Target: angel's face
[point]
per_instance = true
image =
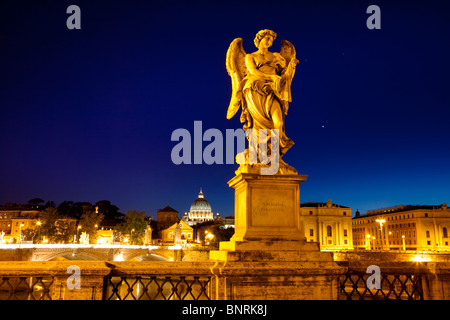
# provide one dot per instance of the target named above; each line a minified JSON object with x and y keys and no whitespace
{"x":266,"y":42}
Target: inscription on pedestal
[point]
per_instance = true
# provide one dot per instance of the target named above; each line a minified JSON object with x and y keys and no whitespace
{"x":270,"y":207}
{"x":273,"y":208}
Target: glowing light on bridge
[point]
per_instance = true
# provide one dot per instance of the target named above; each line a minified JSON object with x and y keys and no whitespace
{"x":421,"y":258}
{"x":83,"y":246}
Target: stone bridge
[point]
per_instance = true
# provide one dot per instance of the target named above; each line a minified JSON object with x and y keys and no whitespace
{"x":31,"y":252}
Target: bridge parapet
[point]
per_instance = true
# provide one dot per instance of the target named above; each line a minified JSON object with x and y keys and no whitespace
{"x":47,"y":252}
{"x":195,"y":280}
{"x":51,"y":280}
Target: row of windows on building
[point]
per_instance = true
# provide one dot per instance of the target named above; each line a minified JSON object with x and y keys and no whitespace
{"x":444,"y":233}
{"x":392,"y":226}
{"x":9,"y":224}
{"x":397,"y":242}
{"x":329,"y":232}
{"x":392,"y":218}
{"x":359,"y":234}
{"x":184,"y":236}
{"x":394,"y":234}
{"x":343,"y":213}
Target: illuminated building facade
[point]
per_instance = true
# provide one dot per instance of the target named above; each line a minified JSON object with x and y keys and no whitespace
{"x":408,"y":227}
{"x":177,"y":233}
{"x":328,"y":224}
{"x":16,"y":218}
{"x":200,"y":211}
{"x":18,"y":225}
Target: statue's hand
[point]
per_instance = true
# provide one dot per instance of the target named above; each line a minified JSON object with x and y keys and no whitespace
{"x":280,"y":61}
{"x":293,"y":63}
{"x":275,"y":78}
{"x":277,"y":81}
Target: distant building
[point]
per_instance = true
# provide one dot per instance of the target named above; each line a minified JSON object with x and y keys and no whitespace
{"x":106,"y":231}
{"x":18,"y":225}
{"x":179,"y":232}
{"x":105,"y":236}
{"x":166,"y":217}
{"x":199,"y":212}
{"x":227,"y":222}
{"x":409,"y":227}
{"x":16,"y":218}
{"x":328,"y":224}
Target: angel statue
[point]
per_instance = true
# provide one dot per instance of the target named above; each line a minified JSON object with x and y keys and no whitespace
{"x":84,"y":239}
{"x":261,"y":84}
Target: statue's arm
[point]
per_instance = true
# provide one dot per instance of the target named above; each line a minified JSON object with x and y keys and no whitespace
{"x":251,"y":68}
{"x":280,"y":60}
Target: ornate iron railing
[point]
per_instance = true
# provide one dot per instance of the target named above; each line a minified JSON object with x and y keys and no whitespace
{"x":393,"y":286}
{"x":156,"y":288}
{"x":25,"y":288}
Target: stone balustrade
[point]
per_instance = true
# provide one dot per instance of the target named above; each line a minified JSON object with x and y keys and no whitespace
{"x":196,"y":280}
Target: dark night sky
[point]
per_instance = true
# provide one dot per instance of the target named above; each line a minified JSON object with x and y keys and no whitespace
{"x":87,"y":115}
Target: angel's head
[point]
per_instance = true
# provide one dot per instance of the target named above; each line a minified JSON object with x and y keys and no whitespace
{"x":265,"y":34}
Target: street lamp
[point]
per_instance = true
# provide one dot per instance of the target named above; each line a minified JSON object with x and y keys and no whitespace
{"x":403,"y":243}
{"x":131,"y":237}
{"x":148,"y":235}
{"x":208,"y":236}
{"x":389,"y":240}
{"x":20,"y":232}
{"x":381,"y":221}
{"x":78,"y":231}
{"x":39,"y":229}
{"x":368,"y":241}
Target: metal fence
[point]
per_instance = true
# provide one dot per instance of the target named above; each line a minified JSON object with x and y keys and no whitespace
{"x":26,"y":288}
{"x":156,"y":288}
{"x":393,"y":286}
{"x":352,"y":286}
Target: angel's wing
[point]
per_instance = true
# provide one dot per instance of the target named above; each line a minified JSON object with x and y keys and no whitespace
{"x":289,"y":54}
{"x":237,"y":70}
{"x":287,"y":51}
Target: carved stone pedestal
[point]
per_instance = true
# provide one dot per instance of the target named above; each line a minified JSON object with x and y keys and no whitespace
{"x":268,"y":258}
{"x":267,"y":207}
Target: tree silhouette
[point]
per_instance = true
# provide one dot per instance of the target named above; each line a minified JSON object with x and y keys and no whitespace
{"x":55,"y":227}
{"x":35,"y":201}
{"x":89,"y":223}
{"x":109,"y":210}
{"x":135,"y":223}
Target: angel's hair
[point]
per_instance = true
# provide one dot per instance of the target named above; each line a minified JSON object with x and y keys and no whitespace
{"x":261,"y":34}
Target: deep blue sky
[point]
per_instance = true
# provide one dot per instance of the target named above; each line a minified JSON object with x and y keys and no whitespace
{"x":87,"y":115}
